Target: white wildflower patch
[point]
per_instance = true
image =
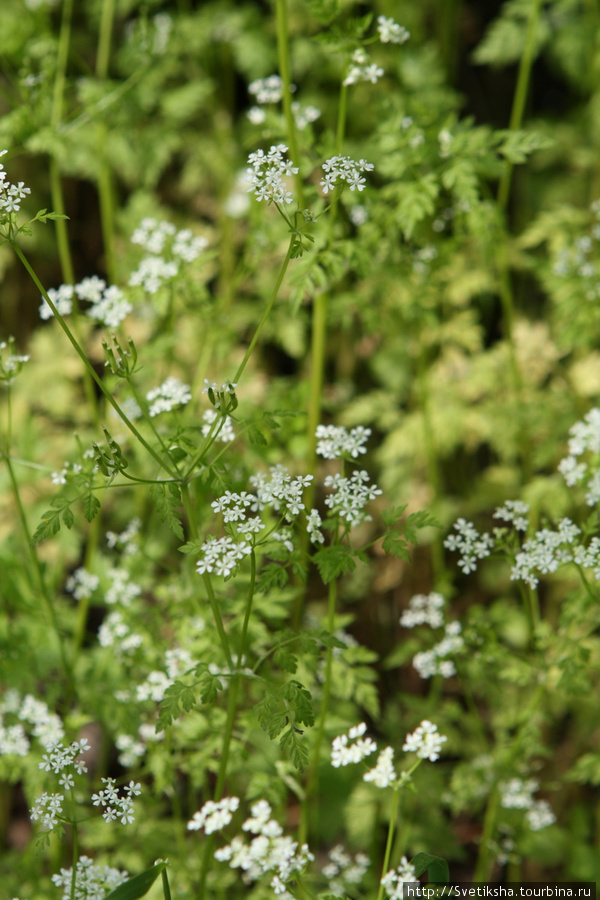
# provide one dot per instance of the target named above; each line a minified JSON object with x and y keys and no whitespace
{"x":362,"y":69}
{"x":93,"y":882}
{"x":11,"y":195}
{"x":394,"y":880}
{"x":115,"y":806}
{"x":214,"y":815}
{"x":266,"y":174}
{"x":344,"y":870}
{"x":390,"y":32}
{"x":384,"y":773}
{"x":266,"y":90}
{"x":343,"y":170}
{"x":517,"y":793}
{"x":425,"y":741}
{"x":335,"y":441}
{"x":225,"y":432}
{"x":351,"y":748}
{"x":470,"y":544}
{"x":424,"y":609}
{"x":170,"y":394}
{"x":349,"y":496}
{"x":435,"y":661}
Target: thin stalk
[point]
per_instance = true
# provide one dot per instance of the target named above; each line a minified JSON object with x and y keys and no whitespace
{"x":88,"y":366}
{"x":229,"y":724}
{"x":105,"y":186}
{"x":165,"y":884}
{"x":312,"y":780}
{"x":390,"y":840}
{"x":265,"y":314}
{"x":62,"y":237}
{"x":283,"y":52}
{"x":242,"y":652}
{"x":520,"y":97}
{"x":214,"y":605}
{"x":75,"y":859}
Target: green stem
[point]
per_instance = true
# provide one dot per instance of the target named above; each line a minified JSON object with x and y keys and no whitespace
{"x":265,"y":314}
{"x":242,"y":652}
{"x":520,"y":97}
{"x":75,"y":860}
{"x":313,"y":773}
{"x":88,"y":366}
{"x":165,"y":884}
{"x":283,"y":53}
{"x":390,"y":840}
{"x":234,"y":687}
{"x":56,"y":116}
{"x":214,"y":605}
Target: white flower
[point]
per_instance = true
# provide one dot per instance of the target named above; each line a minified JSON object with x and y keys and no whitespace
{"x":266,"y":173}
{"x":344,"y":753}
{"x":171,"y":393}
{"x":470,"y":543}
{"x":384,"y":774}
{"x":267,"y":90}
{"x":390,"y":32}
{"x":362,"y":70}
{"x":62,"y":298}
{"x":111,"y":308}
{"x":335,"y":441}
{"x":540,"y":815}
{"x":424,"y":609}
{"x":343,"y":169}
{"x":425,"y":741}
{"x":394,"y":880}
{"x":214,"y":815}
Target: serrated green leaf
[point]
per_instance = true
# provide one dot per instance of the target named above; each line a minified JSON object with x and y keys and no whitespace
{"x":334,"y":561}
{"x":272,"y":575}
{"x":49,"y":525}
{"x":68,"y":517}
{"x":294,"y":748}
{"x":91,"y":506}
{"x":166,"y":497}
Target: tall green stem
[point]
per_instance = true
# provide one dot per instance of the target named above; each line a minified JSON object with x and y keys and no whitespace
{"x":62,"y":237}
{"x":105,"y":186}
{"x":521,"y":91}
{"x":265,"y":314}
{"x":313,"y":772}
{"x":390,"y":840}
{"x":283,"y":53}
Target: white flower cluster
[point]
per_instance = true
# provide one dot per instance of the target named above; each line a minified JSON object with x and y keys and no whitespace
{"x":10,"y":194}
{"x":390,"y":32}
{"x":334,"y":441}
{"x":394,"y":880}
{"x":514,"y":511}
{"x":304,"y":115}
{"x":384,"y":773}
{"x":547,"y":550}
{"x":470,"y":543}
{"x":345,"y":753}
{"x":121,"y":590}
{"x":350,"y":496}
{"x":11,"y":363}
{"x":177,"y":662}
{"x":343,"y":870}
{"x":579,"y":260}
{"x":267,"y":90}
{"x":585,"y":437}
{"x":214,"y":815}
{"x":269,"y":851}
{"x":45,"y":726}
{"x":46,"y":810}
{"x":266,"y":172}
{"x":221,"y":556}
{"x":424,"y":609}
{"x":158,"y":237}
{"x":518,"y":794}
{"x":109,"y":304}
{"x":346,"y":170}
{"x":425,"y":741}
{"x":60,"y":757}
{"x":280,"y":492}
{"x":82,"y":584}
{"x":171,"y":393}
{"x":115,"y":632}
{"x":92,"y":882}
{"x":435,"y":662}
{"x":125,"y":541}
{"x":361,"y":69}
{"x":115,"y":806}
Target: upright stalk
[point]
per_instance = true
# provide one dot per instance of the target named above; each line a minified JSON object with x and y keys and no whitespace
{"x":283,"y":53}
{"x":105,"y":184}
{"x":62,"y":237}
